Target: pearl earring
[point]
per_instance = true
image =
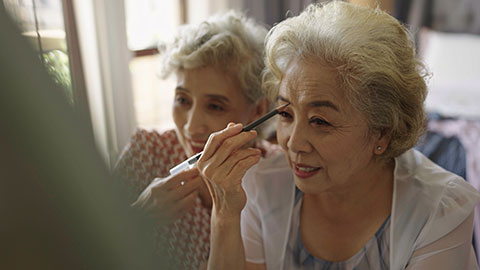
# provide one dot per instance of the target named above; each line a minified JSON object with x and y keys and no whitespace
{"x":379,"y":148}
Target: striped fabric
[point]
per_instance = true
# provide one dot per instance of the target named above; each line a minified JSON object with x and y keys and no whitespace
{"x":373,"y":256}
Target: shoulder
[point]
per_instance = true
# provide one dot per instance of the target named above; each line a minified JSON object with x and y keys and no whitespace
{"x":151,"y":149}
{"x":436,"y":183}
{"x":440,"y":199}
{"x":145,"y":136}
{"x":145,"y":140}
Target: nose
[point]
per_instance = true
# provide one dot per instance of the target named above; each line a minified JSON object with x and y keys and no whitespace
{"x":196,"y":123}
{"x":297,"y":140}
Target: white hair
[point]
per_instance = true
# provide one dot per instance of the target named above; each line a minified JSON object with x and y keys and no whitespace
{"x":230,"y":41}
{"x":375,"y":60}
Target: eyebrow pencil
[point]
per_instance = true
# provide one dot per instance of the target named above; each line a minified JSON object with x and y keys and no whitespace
{"x":192,"y":160}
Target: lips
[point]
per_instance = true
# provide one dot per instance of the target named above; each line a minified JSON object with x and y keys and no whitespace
{"x":196,"y":146}
{"x":305,"y":171}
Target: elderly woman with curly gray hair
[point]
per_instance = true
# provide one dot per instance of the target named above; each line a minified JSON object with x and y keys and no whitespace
{"x":218,"y":65}
{"x":349,"y":191}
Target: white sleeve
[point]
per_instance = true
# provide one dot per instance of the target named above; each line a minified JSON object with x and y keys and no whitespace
{"x":453,"y":251}
{"x":251,"y":229}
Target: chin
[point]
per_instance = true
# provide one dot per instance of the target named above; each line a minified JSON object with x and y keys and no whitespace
{"x":300,"y":183}
{"x":309,"y":186}
{"x":184,"y":144}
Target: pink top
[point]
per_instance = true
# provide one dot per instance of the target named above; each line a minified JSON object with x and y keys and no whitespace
{"x":149,"y":155}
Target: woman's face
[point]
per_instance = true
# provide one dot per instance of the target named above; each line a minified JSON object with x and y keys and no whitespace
{"x":325,"y":139}
{"x":206,"y":100}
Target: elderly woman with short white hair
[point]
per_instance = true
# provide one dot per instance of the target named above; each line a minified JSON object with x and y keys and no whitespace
{"x":349,"y":192}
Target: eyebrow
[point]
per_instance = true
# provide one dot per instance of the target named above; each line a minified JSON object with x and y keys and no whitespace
{"x":219,"y":97}
{"x":314,"y":104}
{"x":212,"y":96}
{"x":181,"y":88}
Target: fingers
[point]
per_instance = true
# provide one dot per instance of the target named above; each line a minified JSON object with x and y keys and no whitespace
{"x":169,"y":189}
{"x":224,"y":149}
{"x":172,"y":212}
{"x":243,"y":165}
{"x":241,"y":161}
{"x":165,"y":196}
{"x":168,"y":200}
{"x":185,"y":175}
{"x":216,"y":139}
{"x":223,"y":172}
{"x":159,"y":185}
{"x":184,"y":190}
{"x":231,"y":145}
{"x":184,"y":205}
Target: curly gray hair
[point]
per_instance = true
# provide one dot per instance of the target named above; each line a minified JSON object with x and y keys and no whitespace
{"x":375,"y":59}
{"x":230,"y":41}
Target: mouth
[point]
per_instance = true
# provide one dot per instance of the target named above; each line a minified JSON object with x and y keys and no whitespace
{"x":305,"y":171}
{"x":196,"y":146}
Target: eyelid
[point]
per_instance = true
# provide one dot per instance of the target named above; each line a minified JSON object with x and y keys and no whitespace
{"x":315,"y":118}
{"x":217,"y":101}
{"x":179,"y":94}
{"x":221,"y":107}
{"x":284,"y":114}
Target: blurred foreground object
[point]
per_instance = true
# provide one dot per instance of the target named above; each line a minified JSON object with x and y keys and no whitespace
{"x":59,"y":207}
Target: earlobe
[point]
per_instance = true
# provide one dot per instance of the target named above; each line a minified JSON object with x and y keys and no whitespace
{"x":382,"y":143}
{"x":379,"y":150}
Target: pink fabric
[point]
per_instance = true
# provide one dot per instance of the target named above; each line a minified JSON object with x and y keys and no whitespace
{"x":151,"y":154}
{"x":468,"y":132}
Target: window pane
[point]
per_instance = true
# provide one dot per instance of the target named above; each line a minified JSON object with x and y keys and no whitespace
{"x":150,"y":21}
{"x":153,"y":97}
{"x":41,"y":21}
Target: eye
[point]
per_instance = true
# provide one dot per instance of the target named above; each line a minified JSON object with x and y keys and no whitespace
{"x":215,"y":107}
{"x":319,"y":122}
{"x":181,"y":100}
{"x":285,"y":114}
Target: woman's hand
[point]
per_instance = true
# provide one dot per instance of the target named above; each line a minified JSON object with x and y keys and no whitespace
{"x":167,"y":199}
{"x":223,"y":165}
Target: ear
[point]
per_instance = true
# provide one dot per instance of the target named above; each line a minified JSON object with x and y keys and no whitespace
{"x":382,"y":142}
{"x":261,"y":108}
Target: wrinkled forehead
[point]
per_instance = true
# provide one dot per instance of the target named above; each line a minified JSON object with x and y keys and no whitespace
{"x":307,"y":81}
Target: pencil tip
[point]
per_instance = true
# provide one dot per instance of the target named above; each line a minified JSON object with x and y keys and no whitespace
{"x":283,"y":106}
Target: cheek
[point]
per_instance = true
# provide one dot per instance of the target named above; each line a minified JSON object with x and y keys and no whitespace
{"x":213,"y":123}
{"x":343,"y":159}
{"x":220,"y":122}
{"x":216,"y":124}
{"x":282,"y":135}
{"x":179,"y":117}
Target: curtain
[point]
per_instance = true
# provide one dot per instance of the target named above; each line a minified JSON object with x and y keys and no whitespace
{"x":461,"y":16}
{"x":274,"y":11}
